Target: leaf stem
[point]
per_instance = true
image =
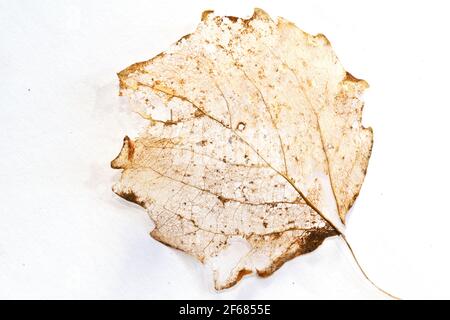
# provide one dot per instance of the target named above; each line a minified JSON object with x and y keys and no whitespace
{"x":343,"y":237}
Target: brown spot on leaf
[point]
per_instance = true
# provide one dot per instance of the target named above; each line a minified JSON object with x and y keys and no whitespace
{"x":130,"y":148}
{"x":300,"y":246}
{"x":198,"y":113}
{"x":240,"y":126}
{"x":222,"y":199}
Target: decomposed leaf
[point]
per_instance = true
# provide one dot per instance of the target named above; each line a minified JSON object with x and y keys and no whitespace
{"x":254,"y":137}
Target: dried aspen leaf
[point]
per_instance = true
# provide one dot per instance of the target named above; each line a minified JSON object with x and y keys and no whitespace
{"x":254,"y":134}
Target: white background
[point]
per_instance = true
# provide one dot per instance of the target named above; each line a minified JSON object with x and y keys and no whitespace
{"x":64,"y":234}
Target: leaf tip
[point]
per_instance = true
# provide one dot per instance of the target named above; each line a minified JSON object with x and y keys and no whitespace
{"x":349,"y":77}
{"x":259,"y":13}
